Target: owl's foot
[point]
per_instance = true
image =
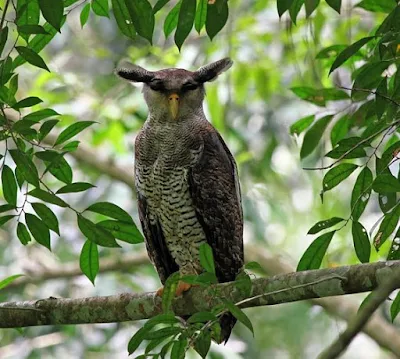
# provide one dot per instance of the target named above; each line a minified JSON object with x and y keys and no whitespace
{"x":182,"y":287}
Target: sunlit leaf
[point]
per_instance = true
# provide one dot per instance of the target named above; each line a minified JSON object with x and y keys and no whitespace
{"x":89,"y":260}
{"x":201,"y":15}
{"x":165,"y":318}
{"x":169,"y":291}
{"x":7,"y":281}
{"x":301,"y":125}
{"x":312,"y":257}
{"x":159,"y":5}
{"x":100,"y":7}
{"x":171,"y":21}
{"x":361,"y":242}
{"x":254,"y":266}
{"x":84,"y":16}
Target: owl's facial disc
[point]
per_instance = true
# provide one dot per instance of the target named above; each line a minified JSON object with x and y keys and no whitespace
{"x":173,"y":103}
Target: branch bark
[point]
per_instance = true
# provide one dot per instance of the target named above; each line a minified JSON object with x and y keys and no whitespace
{"x":282,"y":288}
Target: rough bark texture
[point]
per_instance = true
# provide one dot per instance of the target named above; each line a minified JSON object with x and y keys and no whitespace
{"x":123,"y":307}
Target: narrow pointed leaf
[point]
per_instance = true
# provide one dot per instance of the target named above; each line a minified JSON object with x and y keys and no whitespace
{"x":201,"y":15}
{"x":207,"y":258}
{"x":318,"y":227}
{"x":100,"y":7}
{"x":39,"y":230}
{"x":96,"y":233}
{"x":31,"y":56}
{"x":26,"y":166}
{"x":52,"y":11}
{"x":361,"y":193}
{"x":395,"y":307}
{"x":47,"y":197}
{"x":123,"y":18}
{"x":186,"y":17}
{"x":386,"y":183}
{"x":5,"y":282}
{"x":9,"y":185}
{"x":337,"y":174}
{"x":239,"y":315}
{"x":84,"y":16}
{"x":169,"y":291}
{"x":47,"y":215}
{"x":23,"y":234}
{"x":335,"y":5}
{"x":75,"y":187}
{"x":171,"y":21}
{"x":110,"y":210}
{"x":301,"y":125}
{"x":387,"y":227}
{"x":313,"y":136}
{"x":89,"y":260}
{"x":216,"y":19}
{"x":123,"y":231}
{"x":361,"y":242}
{"x":72,"y":131}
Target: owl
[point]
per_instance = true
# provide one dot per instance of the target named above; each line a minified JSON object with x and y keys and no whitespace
{"x":186,"y":178}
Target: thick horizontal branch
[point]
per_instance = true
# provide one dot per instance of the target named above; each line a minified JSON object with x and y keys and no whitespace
{"x":266,"y":291}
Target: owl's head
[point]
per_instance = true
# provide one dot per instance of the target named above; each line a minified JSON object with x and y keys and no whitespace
{"x":174,"y":93}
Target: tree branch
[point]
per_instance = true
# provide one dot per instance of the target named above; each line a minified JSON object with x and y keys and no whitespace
{"x":265,"y":291}
{"x":390,"y":283}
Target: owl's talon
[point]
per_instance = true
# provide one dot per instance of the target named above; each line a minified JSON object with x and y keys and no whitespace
{"x":182,"y":287}
{"x":160,"y":292}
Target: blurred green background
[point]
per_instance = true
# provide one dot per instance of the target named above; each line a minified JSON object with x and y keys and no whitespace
{"x":252,"y":107}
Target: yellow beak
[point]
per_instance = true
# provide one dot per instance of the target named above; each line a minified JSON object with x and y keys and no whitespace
{"x":174,"y":105}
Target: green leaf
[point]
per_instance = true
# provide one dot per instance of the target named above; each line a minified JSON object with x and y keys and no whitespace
{"x":388,"y":155}
{"x":168,"y":318}
{"x":340,"y":130}
{"x":330,"y":51}
{"x":31,"y":29}
{"x":386,"y":183}
{"x":123,"y":18}
{"x":162,"y":333}
{"x":100,"y":7}
{"x":319,"y":96}
{"x":52,"y":11}
{"x":123,"y":231}
{"x":368,"y":78}
{"x":361,"y":193}
{"x":179,"y":349}
{"x":137,"y":339}
{"x":110,"y":210}
{"x":312,"y":257}
{"x":395,"y":307}
{"x":9,"y":185}
{"x":313,"y":136}
{"x":387,"y":201}
{"x":186,"y":17}
{"x":349,"y":51}
{"x":301,"y":125}
{"x":5,"y":219}
{"x":361,"y":242}
{"x":377,"y":6}
{"x":47,"y":197}
{"x":7,"y":281}
{"x":31,"y":56}
{"x":335,"y":5}
{"x":201,"y":317}
{"x":311,"y":5}
{"x":388,"y":225}
{"x":40,"y":115}
{"x":27,"y":102}
{"x":336,"y":175}
{"x":22,"y":126}
{"x":38,"y":229}
{"x":47,"y":215}
{"x":243,"y":283}
{"x":217,"y":16}
{"x":283,"y":6}
{"x":60,"y":169}
{"x":72,"y":131}
{"x":75,"y":187}
{"x":28,"y":13}
{"x":71,"y":146}
{"x":26,"y":166}
{"x":46,"y":128}
{"x":165,"y":349}
{"x":96,"y":233}
{"x":38,"y":42}
{"x":6,"y":208}
{"x":295,"y":9}
{"x":238,"y":314}
{"x":20,"y":177}
{"x":169,"y":291}
{"x":201,"y":15}
{"x":89,"y":260}
{"x":23,"y":234}
{"x":3,"y":38}
{"x":380,"y":98}
{"x":142,"y":17}
{"x":84,"y":16}
{"x":348,"y":148}
{"x":171,"y":21}
{"x":254,"y":266}
{"x":207,"y":258}
{"x":203,"y":343}
{"x":319,"y":226}
{"x":159,"y":5}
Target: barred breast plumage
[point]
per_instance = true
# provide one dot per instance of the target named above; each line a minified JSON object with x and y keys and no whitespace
{"x":165,"y":186}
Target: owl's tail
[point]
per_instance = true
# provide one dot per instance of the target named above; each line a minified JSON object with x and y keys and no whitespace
{"x":227,"y":322}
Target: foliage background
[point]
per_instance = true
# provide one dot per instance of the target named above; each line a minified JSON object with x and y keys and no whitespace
{"x":252,"y":106}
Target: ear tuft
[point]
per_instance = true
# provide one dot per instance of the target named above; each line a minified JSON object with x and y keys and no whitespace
{"x":211,"y":71}
{"x":134,"y":73}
